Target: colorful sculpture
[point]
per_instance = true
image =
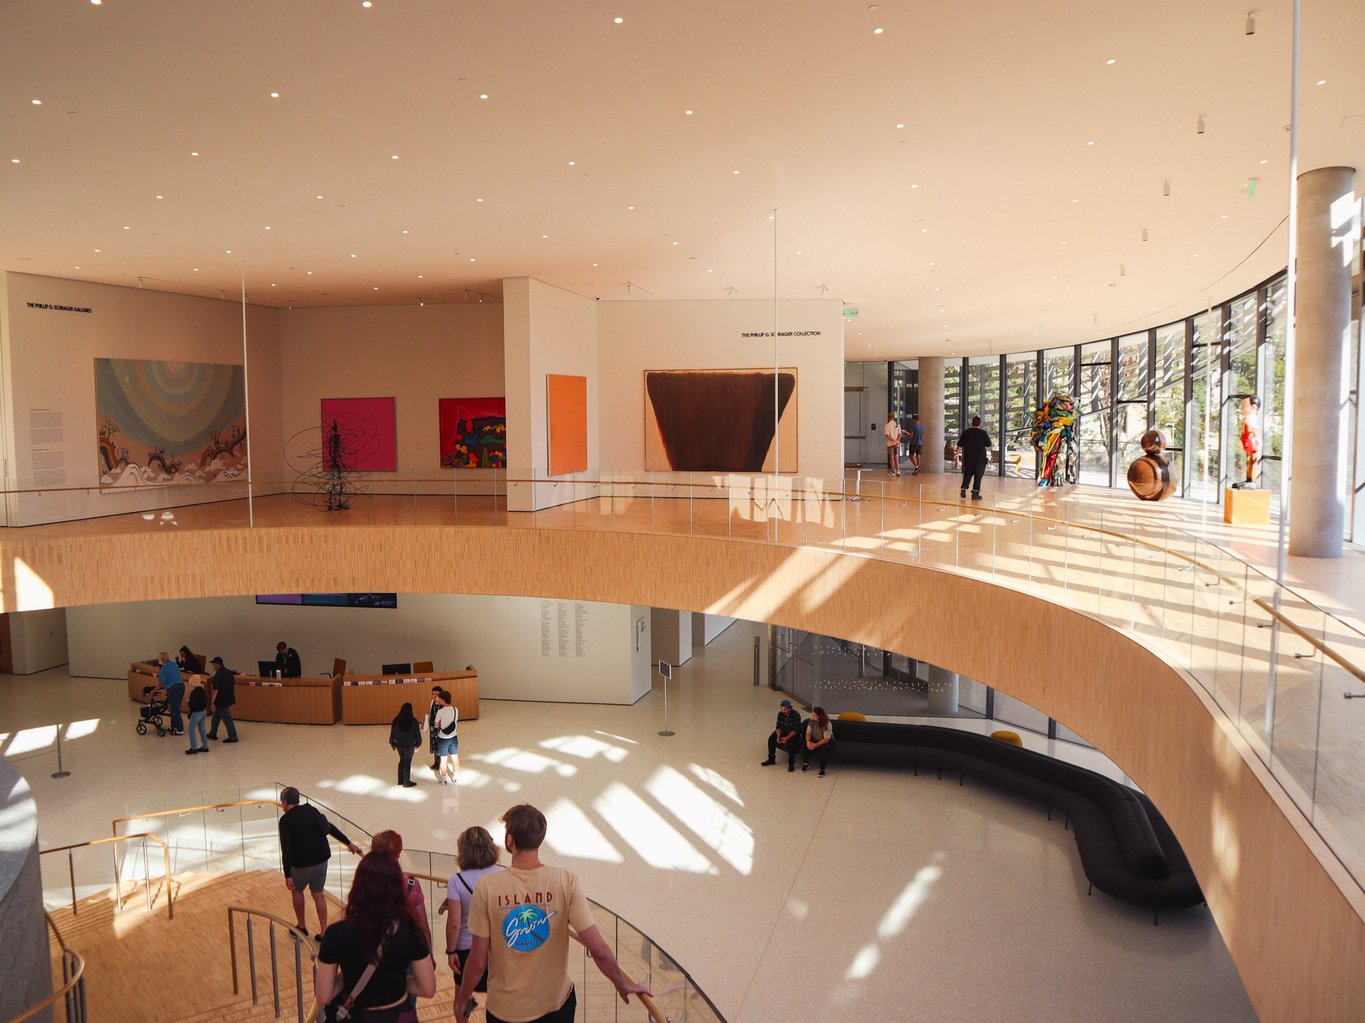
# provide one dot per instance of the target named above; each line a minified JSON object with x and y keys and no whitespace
{"x":1250,"y":411}
{"x":1054,"y":436}
{"x":1149,"y":477}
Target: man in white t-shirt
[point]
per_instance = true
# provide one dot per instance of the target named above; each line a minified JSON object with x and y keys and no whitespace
{"x":521,"y":919}
{"x":893,"y":444}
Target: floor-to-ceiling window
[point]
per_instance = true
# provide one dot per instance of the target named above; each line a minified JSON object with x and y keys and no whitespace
{"x":1168,"y":385}
{"x":952,"y":400}
{"x":983,"y":392}
{"x":1059,"y":372}
{"x":1021,"y":398}
{"x":1132,"y":399}
{"x":1096,"y":402}
{"x":1270,"y":362}
{"x":1203,"y":426}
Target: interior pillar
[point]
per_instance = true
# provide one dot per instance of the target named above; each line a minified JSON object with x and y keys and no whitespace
{"x":931,"y":413}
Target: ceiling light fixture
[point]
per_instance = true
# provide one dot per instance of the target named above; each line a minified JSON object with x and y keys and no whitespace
{"x":1321,"y":81}
{"x":317,"y":197}
{"x":228,"y":251}
{"x":1144,"y":234}
{"x":483,"y":95}
{"x":1165,"y":188}
{"x":161,"y":197}
{"x":735,"y":172}
{"x":478,"y":200}
{"x":267,"y":227}
{"x":274,"y":95}
{"x":394,"y":156}
{"x":878,"y":31}
{"x":688,"y":113}
{"x":366,"y":3}
{"x":38,"y":102}
{"x":194,"y":152}
{"x":14,"y":159}
{"x":1251,"y":23}
{"x":1111,"y":60}
{"x":353,"y":255}
{"x":1089,"y":142}
{"x":309,"y":273}
{"x":1199,"y":124}
{"x":617,"y":21}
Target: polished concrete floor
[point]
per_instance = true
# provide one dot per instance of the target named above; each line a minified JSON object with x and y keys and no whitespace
{"x":870,"y":894}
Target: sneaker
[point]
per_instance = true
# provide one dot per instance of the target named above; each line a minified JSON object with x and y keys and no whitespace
{"x":766,"y":763}
{"x":204,"y":750}
{"x":791,"y":767}
{"x":176,"y":731}
{"x":409,"y":784}
{"x":226,"y":741}
{"x":976,"y":497}
{"x":213,"y":737}
{"x":822,"y":774}
{"x":805,"y":768}
{"x":316,"y":937}
{"x":191,"y":752}
{"x":962,"y":493}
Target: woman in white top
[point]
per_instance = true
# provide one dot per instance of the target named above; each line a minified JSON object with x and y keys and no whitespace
{"x":893,"y":444}
{"x":476,"y":855}
{"x":447,"y":744}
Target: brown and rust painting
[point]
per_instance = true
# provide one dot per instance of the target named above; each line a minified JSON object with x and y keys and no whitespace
{"x":720,"y":420}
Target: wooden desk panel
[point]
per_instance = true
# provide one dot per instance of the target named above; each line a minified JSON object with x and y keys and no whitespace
{"x":375,"y":699}
{"x":295,"y":701}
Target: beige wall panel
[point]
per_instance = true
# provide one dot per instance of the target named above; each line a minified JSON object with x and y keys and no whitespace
{"x":1290,"y":916}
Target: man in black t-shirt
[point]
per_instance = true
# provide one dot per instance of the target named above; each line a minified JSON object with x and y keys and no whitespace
{"x":224,"y":684}
{"x":304,"y":853}
{"x":974,"y":443}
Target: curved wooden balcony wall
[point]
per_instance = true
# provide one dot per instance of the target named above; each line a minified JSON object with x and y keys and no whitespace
{"x":1292,"y":918}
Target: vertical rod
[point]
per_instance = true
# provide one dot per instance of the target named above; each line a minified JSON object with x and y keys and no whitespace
{"x":71,"y":870}
{"x":147,"y":875}
{"x":251,"y":958}
{"x":1290,"y":347}
{"x":246,"y":398}
{"x":274,"y":971}
{"x":298,"y":977}
{"x":777,"y":436}
{"x":232,"y":950}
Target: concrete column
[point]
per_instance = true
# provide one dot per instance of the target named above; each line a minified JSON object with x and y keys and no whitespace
{"x":1322,"y":321}
{"x":943,"y":688}
{"x":931,"y":413}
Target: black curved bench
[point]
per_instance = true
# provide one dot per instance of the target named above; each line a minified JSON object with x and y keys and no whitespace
{"x":1126,"y":847}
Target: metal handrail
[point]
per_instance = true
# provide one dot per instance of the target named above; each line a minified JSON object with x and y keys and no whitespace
{"x":654,"y":1014}
{"x":299,"y":938}
{"x":72,"y":990}
{"x":118,"y":881}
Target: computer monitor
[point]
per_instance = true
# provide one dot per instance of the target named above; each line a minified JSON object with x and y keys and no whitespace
{"x":396,"y":669}
{"x":266,"y":669}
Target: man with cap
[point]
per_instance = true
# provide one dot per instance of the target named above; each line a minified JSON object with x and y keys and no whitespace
{"x":784,"y":735}
{"x":224,"y":683}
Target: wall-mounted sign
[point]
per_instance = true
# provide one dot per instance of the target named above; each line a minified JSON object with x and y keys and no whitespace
{"x":850,"y":312}
{"x":59,"y":308}
{"x":781,"y":333}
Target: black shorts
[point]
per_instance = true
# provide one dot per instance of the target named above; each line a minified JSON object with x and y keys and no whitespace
{"x":915,"y":449}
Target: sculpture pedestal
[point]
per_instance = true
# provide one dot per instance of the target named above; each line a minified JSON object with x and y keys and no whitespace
{"x":1246,"y":507}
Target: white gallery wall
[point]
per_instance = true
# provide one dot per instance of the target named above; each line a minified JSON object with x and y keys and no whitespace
{"x":635,"y":336}
{"x":546,"y":330}
{"x":416,"y":354}
{"x":37,"y":639}
{"x":524,"y":648}
{"x":48,"y":369}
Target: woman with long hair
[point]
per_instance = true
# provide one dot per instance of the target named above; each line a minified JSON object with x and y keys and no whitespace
{"x":377,"y":928}
{"x":447,"y":743}
{"x":390,"y":843}
{"x":819,"y":739}
{"x":477,"y":855}
{"x":405,"y":735}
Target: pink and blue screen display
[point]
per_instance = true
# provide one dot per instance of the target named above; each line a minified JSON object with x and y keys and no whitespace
{"x":388,"y":600}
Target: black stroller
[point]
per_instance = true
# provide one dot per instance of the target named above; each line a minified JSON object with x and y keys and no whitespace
{"x":151,"y":714}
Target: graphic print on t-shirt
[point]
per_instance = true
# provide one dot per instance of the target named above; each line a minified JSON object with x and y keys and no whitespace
{"x":527,"y":928}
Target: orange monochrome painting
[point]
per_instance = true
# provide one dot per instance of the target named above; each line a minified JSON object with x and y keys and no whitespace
{"x":567,"y":401}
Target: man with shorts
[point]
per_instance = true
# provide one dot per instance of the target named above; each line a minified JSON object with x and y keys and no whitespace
{"x":521,"y":920}
{"x":915,"y":436}
{"x":305,"y":852}
{"x":892,"y":430}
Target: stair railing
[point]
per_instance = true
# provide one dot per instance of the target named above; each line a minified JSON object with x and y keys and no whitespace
{"x":118,"y":881}
{"x":297,"y":938}
{"x":72,"y":991}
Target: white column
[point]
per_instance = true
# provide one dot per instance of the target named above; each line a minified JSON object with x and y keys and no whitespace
{"x":931,"y":413}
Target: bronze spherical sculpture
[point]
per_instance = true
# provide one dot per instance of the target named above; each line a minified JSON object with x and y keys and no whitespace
{"x":1149,"y":477}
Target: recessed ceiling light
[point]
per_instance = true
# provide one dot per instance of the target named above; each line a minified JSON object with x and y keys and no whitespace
{"x":1075,"y":200}
{"x":878,"y":31}
{"x":1223,"y":217}
{"x":267,"y":227}
{"x":14,"y":159}
{"x":478,"y":200}
{"x":420,"y":276}
{"x":709,"y":270}
{"x":394,"y":156}
{"x":96,"y":3}
{"x":308,"y":273}
{"x":376,"y":287}
{"x":228,"y":251}
{"x":688,"y":113}
{"x":317,"y":197}
{"x":923,"y":230}
{"x":405,"y":230}
{"x":471,"y":259}
{"x":617,"y":21}
{"x":274,"y":95}
{"x":126,"y":227}
{"x":1321,"y":81}
{"x":75,"y":268}
{"x":675,"y":243}
{"x":353,"y":255}
{"x":366,"y":3}
{"x":1089,"y":142}
{"x":735,"y":172}
{"x":630,"y":207}
{"x":194,"y":153}
{"x":161,"y":197}
{"x":97,"y":250}
{"x":483,"y":95}
{"x":798,"y":252}
{"x":914,"y":186}
{"x":545,"y":236}
{"x":196,"y":269}
{"x":1264,"y":162}
{"x":38,"y":102}
{"x":1111,"y":60}
{"x":900,"y":124}
{"x":594,"y":264}
{"x":572,"y":162}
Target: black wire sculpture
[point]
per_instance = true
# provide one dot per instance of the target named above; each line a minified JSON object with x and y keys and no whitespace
{"x":325,"y":479}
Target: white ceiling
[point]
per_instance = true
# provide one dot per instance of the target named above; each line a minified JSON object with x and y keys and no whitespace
{"x":988,"y":222}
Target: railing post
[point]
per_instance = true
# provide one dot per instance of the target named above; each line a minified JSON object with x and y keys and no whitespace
{"x":274,"y":971}
{"x":147,"y":876}
{"x":71,"y":870}
{"x":251,"y":957}
{"x":232,"y":950}
{"x":298,"y":977}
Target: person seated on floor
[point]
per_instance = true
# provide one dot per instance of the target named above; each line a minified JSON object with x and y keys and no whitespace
{"x":787,"y":735}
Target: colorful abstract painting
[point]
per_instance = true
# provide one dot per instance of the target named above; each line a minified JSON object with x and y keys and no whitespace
{"x":360,"y":434}
{"x":720,"y":420}
{"x":567,"y":402}
{"x":169,"y":422}
{"x":473,"y":433}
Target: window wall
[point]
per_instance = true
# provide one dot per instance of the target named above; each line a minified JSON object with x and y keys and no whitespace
{"x":1186,"y":379}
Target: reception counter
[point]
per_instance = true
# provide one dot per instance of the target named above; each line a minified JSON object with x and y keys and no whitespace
{"x":375,"y":699}
{"x":293,"y":701}
{"x":356,"y":699}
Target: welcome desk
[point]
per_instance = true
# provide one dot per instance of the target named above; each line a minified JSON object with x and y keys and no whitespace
{"x":351,"y":699}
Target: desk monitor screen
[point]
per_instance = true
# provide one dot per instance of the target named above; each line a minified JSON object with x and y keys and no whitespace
{"x":266,"y":669}
{"x":396,"y":669}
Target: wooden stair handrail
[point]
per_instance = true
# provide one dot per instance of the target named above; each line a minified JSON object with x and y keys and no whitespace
{"x":189,"y":809}
{"x":118,"y":882}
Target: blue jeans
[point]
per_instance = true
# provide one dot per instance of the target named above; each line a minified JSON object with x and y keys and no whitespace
{"x":174,"y":695}
{"x":223,"y":714}
{"x":197,"y":728}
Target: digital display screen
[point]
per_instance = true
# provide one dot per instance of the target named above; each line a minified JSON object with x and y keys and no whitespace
{"x":388,"y":600}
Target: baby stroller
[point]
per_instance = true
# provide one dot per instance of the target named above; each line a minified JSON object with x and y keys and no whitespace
{"x":151,"y":714}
